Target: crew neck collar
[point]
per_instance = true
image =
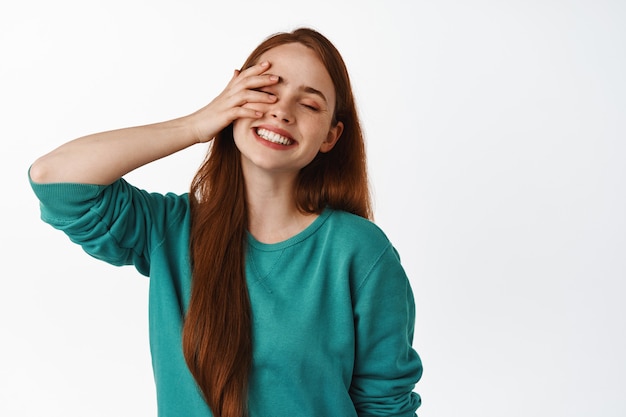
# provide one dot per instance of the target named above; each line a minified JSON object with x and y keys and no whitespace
{"x":297,"y":238}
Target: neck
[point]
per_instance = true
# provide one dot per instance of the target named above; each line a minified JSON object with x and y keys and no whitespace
{"x":273,"y":215}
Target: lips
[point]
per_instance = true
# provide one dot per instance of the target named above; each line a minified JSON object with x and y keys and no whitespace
{"x":274,"y":137}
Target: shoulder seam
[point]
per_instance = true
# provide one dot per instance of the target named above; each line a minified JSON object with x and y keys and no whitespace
{"x":369,"y":271}
{"x":170,"y":224}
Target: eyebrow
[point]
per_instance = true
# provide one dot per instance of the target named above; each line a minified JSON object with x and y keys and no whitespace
{"x":311,"y":90}
{"x":306,"y":89}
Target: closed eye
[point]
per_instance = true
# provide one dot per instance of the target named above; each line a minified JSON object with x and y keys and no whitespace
{"x":311,"y":107}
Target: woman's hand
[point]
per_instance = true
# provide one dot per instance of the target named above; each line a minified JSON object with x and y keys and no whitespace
{"x":230,"y":105}
{"x":103,"y":157}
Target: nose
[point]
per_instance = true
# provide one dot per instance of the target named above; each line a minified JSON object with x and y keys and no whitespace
{"x":280,"y":111}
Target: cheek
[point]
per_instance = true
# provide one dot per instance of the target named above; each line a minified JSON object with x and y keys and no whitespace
{"x":240,"y":127}
{"x":318,"y":129}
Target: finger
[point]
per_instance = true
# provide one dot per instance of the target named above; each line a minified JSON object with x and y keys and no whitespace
{"x":256,"y":69}
{"x":252,"y":71}
{"x":247,"y":80}
{"x":245,"y":113}
{"x":254,"y":96}
{"x":253,"y":82}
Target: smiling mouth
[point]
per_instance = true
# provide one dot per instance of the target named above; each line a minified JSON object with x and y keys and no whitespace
{"x":273,"y":137}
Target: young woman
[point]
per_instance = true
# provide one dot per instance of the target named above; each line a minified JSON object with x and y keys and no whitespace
{"x":271,"y":293}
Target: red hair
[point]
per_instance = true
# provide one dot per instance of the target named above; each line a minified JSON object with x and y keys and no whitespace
{"x":217,"y":334}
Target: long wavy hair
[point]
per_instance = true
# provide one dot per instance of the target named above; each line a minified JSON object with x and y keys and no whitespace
{"x":217,"y":334}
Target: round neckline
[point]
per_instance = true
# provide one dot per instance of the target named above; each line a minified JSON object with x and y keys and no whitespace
{"x":295,"y":239}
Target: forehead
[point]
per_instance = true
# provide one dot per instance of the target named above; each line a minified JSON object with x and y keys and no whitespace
{"x":300,"y":66}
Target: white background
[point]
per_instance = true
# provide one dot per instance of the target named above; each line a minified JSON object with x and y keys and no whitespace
{"x":496,"y":136}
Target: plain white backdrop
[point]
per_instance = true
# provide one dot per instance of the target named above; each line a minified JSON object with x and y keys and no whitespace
{"x":497,"y":146}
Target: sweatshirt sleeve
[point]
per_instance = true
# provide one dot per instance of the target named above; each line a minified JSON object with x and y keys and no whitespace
{"x":117,"y":223}
{"x":386,"y":366}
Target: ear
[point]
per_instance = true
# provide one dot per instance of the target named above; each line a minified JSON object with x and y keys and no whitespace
{"x":333,"y":136}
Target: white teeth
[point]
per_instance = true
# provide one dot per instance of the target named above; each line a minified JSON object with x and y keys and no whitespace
{"x":273,"y":137}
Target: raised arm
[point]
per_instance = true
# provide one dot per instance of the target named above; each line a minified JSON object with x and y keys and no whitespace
{"x":104,"y":157}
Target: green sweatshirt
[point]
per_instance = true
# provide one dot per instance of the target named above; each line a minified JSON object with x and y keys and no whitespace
{"x":333,"y":312}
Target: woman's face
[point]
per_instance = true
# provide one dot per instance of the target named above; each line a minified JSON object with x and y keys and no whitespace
{"x":298,"y":124}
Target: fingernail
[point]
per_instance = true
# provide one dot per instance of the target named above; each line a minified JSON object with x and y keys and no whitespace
{"x":273,"y":77}
{"x":258,"y":114}
{"x":264,"y":64}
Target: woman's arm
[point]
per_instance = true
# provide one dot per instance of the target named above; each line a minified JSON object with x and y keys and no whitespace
{"x":386,"y":366}
{"x":104,"y":157}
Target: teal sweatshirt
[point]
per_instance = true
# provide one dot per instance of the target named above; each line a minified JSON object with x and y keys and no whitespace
{"x":333,"y":311}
